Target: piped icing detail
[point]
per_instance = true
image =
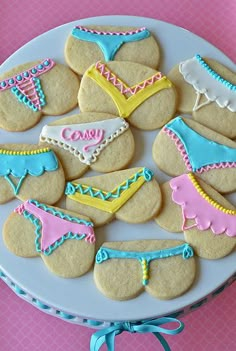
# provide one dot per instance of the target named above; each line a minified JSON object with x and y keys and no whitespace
{"x":198,"y":206}
{"x":199,"y":153}
{"x":209,"y":83}
{"x":85,"y":141}
{"x":26,"y":87}
{"x":53,"y":227}
{"x":108,"y":201}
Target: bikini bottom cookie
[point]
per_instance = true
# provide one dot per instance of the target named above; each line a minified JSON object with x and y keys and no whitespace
{"x":184,"y":145}
{"x":28,"y":171}
{"x":33,"y":89}
{"x":131,"y":195}
{"x":207,"y":89}
{"x":64,"y":240}
{"x":207,"y":219}
{"x":98,"y":141}
{"x":163,"y":268}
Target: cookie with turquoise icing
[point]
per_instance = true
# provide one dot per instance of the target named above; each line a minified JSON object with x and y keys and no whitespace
{"x":183,"y":145}
{"x":99,"y":141}
{"x":207,"y":219}
{"x":64,"y":240}
{"x":207,"y":89}
{"x":132,"y":195}
{"x":164,"y":269}
{"x":33,"y":89}
{"x":86,"y":45}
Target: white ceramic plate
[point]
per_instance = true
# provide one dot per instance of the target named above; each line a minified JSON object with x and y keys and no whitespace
{"x":79,"y":296}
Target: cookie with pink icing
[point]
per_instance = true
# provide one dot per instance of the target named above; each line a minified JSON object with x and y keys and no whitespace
{"x":88,"y":44}
{"x":99,"y":141}
{"x":207,"y":89}
{"x":64,"y":240}
{"x":183,"y":145}
{"x":33,"y":89}
{"x":207,"y":219}
{"x":140,"y":94}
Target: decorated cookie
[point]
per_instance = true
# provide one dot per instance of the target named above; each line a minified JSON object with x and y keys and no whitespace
{"x":184,"y":145}
{"x":64,"y":240}
{"x":86,"y":45}
{"x":132,"y":195}
{"x":164,"y":268}
{"x":141,"y":94}
{"x":27,"y":171}
{"x":34,"y":89}
{"x":207,"y":90}
{"x":100,"y":141}
{"x":206,"y":217}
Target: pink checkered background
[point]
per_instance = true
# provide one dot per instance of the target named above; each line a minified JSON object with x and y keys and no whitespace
{"x":23,"y":327}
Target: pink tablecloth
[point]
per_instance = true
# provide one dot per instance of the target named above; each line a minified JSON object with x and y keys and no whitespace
{"x":22,"y":327}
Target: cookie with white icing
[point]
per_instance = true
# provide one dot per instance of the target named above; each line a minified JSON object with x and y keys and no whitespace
{"x":144,"y":96}
{"x":207,"y":219}
{"x":207,"y":89}
{"x":164,"y":269}
{"x":64,"y":240}
{"x":86,"y":45}
{"x":132,"y":195}
{"x":183,"y":145}
{"x":99,"y":141}
{"x":33,"y":89}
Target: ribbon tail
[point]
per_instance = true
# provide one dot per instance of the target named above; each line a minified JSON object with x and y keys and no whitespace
{"x":163,"y":341}
{"x":102,"y":336}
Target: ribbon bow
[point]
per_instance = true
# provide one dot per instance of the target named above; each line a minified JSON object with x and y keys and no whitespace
{"x":108,"y":335}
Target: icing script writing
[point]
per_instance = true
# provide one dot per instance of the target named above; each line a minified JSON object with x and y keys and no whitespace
{"x":88,"y":134}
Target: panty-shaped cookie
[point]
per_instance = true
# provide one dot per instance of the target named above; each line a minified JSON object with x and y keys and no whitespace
{"x":184,"y":145}
{"x":86,"y":45}
{"x":207,"y":218}
{"x":100,"y":141}
{"x":207,"y":89}
{"x":164,"y":268}
{"x":132,"y":195}
{"x":34,"y":89}
{"x":28,"y":171}
{"x":64,"y":240}
{"x":141,"y":94}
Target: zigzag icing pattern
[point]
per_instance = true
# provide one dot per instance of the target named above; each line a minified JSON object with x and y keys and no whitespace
{"x":110,"y":33}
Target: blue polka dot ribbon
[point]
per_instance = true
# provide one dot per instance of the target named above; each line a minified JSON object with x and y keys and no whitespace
{"x":155,"y":327}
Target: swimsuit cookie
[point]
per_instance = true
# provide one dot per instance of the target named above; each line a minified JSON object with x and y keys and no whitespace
{"x":141,"y":94}
{"x":206,"y":217}
{"x":85,"y":46}
{"x":207,"y":90}
{"x":184,"y":145}
{"x":100,"y":141}
{"x":64,"y":240}
{"x":34,"y":89}
{"x":164,"y":268}
{"x":30,"y":171}
{"x":132,"y":195}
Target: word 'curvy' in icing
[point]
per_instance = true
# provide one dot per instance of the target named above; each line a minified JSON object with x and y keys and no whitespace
{"x":76,"y":138}
{"x":53,"y":227}
{"x":144,"y":258}
{"x":110,"y":201}
{"x":208,"y":82}
{"x":198,"y":206}
{"x":20,"y":163}
{"x":109,"y":42}
{"x":199,"y":153}
{"x":27,"y":87}
{"x":117,"y":89}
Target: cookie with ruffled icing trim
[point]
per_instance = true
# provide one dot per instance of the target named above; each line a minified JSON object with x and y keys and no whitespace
{"x":64,"y":240}
{"x":132,"y":195}
{"x":99,"y":141}
{"x":207,"y":219}
{"x":86,"y":45}
{"x":33,"y":89}
{"x":207,"y":89}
